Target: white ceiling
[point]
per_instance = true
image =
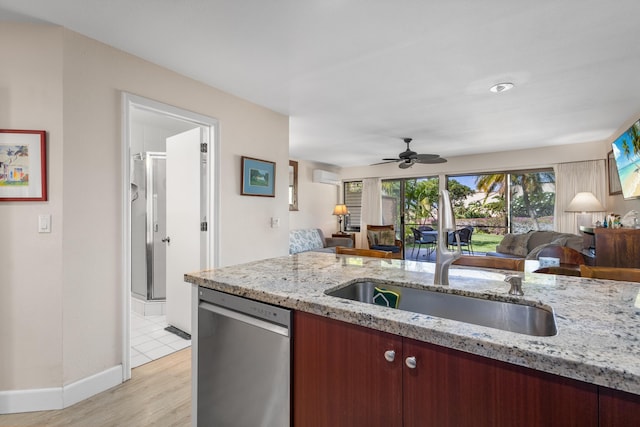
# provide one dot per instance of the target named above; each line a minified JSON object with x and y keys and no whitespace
{"x":356,"y":76}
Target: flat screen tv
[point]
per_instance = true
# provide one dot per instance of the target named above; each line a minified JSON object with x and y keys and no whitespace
{"x":626,"y":151}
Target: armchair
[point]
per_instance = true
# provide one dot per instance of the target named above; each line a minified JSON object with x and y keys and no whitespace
{"x":383,"y":238}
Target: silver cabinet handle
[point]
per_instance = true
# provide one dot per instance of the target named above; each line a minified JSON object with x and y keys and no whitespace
{"x":410,"y":362}
{"x":390,"y":355}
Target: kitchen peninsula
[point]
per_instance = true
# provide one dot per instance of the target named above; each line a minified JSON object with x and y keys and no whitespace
{"x":596,"y":348}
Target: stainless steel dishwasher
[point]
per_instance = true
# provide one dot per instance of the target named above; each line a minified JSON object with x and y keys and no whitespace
{"x":243,"y":349}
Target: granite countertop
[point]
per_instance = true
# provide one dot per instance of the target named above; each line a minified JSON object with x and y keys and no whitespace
{"x":598,"y":321}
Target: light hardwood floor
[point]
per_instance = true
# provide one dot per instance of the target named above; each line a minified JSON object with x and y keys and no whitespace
{"x":158,"y":394}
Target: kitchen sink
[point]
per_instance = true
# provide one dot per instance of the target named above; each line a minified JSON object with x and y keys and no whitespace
{"x":507,"y":316}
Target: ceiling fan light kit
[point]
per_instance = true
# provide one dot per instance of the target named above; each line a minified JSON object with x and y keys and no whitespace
{"x":409,"y":157}
{"x":501,"y":87}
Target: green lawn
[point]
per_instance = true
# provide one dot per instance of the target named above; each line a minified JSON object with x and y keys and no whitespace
{"x":485,"y":242}
{"x":482,"y":242}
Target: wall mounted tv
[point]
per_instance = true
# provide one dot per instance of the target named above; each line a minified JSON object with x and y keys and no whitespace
{"x":626,"y":151}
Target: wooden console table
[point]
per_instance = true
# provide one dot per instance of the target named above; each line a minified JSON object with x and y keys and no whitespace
{"x":617,"y":247}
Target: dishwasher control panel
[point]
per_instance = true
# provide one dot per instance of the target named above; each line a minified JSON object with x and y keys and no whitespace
{"x":257,"y":309}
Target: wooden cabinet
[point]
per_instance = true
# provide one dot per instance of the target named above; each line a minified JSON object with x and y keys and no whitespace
{"x":619,"y":409}
{"x":619,"y":247}
{"x":341,"y":378}
{"x":453,"y":388}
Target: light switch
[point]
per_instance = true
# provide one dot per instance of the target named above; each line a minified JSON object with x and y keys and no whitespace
{"x":44,"y":223}
{"x":275,"y":222}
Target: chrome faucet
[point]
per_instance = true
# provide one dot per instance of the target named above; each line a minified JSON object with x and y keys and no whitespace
{"x":516,"y":284}
{"x":445,"y":256}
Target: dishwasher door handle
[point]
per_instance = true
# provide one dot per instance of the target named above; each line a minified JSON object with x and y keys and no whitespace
{"x":244,"y":318}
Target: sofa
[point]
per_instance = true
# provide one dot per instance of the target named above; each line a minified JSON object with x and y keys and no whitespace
{"x":312,"y":239}
{"x":529,"y":245}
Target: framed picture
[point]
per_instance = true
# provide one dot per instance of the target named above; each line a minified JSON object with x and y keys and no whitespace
{"x":614,"y":179}
{"x":258,"y":177}
{"x":23,"y":166}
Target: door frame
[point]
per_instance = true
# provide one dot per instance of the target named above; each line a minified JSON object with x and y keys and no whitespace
{"x":211,"y":194}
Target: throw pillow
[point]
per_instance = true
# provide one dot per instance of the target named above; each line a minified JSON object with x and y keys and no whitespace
{"x":387,"y":238}
{"x":514,"y":244}
{"x":373,"y":237}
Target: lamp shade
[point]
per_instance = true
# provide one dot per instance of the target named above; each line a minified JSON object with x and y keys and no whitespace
{"x":585,"y":202}
{"x":340,"y":210}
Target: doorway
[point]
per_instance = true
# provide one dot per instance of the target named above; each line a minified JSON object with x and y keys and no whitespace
{"x":166,"y":151}
{"x":411,"y":203}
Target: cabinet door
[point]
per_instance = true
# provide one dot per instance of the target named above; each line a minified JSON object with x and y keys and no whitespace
{"x":618,"y":247}
{"x":619,"y":409}
{"x":452,"y":388}
{"x":341,"y":376}
{"x":447,"y":388}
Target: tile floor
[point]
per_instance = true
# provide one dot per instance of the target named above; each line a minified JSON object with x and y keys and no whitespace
{"x":149,"y":340}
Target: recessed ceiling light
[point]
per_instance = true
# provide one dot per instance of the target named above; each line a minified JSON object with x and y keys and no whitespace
{"x":501,"y":87}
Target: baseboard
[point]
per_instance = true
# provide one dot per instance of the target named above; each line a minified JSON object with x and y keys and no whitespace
{"x":48,"y":399}
{"x":148,"y":308}
{"x":42,"y":399}
{"x":90,"y":386}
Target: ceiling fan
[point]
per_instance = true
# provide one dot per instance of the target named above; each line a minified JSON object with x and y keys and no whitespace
{"x":408,"y":157}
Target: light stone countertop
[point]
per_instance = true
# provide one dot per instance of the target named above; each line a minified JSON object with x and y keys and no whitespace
{"x":598,"y":321}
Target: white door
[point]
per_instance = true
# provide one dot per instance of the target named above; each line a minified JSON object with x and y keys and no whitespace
{"x":183,"y":223}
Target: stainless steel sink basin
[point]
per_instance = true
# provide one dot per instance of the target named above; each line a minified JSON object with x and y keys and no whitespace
{"x":503,"y":315}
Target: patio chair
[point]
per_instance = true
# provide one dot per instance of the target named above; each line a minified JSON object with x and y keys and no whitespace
{"x":465,"y":238}
{"x":423,"y":239}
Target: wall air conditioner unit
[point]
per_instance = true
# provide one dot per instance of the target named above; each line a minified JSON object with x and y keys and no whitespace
{"x":325,"y":177}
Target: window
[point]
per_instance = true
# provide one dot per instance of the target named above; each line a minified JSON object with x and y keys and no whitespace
{"x":532,"y":200}
{"x":353,"y":200}
{"x":498,"y":203}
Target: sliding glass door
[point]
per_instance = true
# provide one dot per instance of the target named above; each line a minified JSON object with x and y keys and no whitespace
{"x":410,"y":203}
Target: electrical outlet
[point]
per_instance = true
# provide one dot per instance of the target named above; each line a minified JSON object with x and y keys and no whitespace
{"x":275,"y":222}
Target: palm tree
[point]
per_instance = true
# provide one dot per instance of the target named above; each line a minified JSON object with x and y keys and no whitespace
{"x":635,"y":137}
{"x":625,"y":148}
{"x":531,"y":183}
{"x":634,"y":134}
{"x":494,"y":183}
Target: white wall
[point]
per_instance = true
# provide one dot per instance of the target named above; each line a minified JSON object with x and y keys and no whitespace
{"x":31,"y":303}
{"x":315,"y":201}
{"x":60,"y":299}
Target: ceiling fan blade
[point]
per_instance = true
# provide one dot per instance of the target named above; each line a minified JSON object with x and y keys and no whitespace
{"x":384,"y":163}
{"x":427,"y":156}
{"x":432,"y":160}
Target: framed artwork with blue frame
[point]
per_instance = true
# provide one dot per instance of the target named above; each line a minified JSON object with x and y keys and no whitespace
{"x":258,"y":177}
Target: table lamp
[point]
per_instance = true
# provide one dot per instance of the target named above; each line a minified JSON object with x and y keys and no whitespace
{"x":584,"y":202}
{"x":340,"y":211}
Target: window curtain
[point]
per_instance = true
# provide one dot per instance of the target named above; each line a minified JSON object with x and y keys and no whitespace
{"x":371,"y":207}
{"x":572,"y":178}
